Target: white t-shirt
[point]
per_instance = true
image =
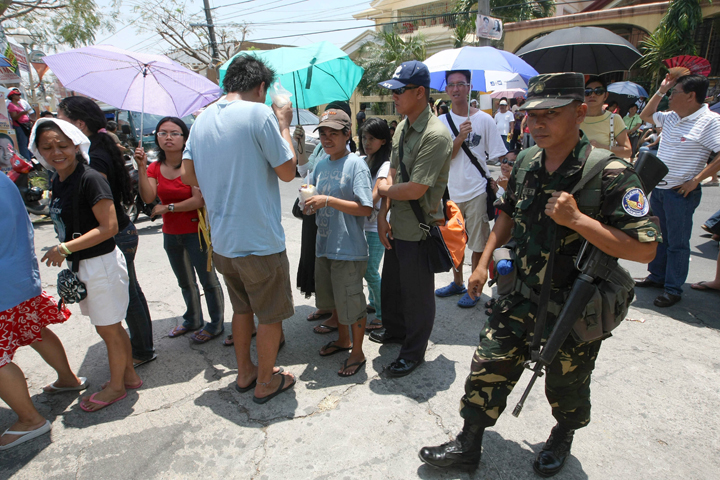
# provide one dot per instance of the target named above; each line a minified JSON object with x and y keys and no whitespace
{"x":686,"y":143}
{"x":465,"y":181}
{"x":502,"y":120}
{"x":371,"y":222}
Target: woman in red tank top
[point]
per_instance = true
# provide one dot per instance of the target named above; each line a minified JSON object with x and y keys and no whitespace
{"x":179,"y":209}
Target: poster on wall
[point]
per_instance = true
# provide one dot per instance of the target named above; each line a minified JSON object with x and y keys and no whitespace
{"x":8,"y":75}
{"x":489,"y":27}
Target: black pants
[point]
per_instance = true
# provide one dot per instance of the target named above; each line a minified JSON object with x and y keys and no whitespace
{"x":408,"y":297}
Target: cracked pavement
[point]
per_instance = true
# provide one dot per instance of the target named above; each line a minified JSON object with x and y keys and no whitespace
{"x":655,"y":392}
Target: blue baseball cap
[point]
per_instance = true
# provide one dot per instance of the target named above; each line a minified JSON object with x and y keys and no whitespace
{"x":413,"y":72}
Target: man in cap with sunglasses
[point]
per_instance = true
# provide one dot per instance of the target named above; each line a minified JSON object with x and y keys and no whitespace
{"x":424,"y":146}
{"x":536,"y":203}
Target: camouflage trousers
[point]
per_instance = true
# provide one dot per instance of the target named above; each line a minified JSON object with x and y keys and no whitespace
{"x":498,"y":364}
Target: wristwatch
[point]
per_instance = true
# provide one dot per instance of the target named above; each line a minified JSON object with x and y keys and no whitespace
{"x":171,"y":207}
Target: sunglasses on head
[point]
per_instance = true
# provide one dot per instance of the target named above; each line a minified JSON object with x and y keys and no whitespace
{"x":401,"y":90}
{"x":505,"y":161}
{"x":596,"y":91}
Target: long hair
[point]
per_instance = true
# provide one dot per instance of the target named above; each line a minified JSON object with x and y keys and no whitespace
{"x":183,"y":128}
{"x":82,"y":108}
{"x":378,"y":128}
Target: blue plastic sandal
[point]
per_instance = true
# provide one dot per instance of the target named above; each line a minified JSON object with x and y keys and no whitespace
{"x":467,"y":302}
{"x":450,"y":290}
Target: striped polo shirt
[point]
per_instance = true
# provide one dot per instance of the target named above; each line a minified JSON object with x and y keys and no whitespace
{"x":686,"y":143}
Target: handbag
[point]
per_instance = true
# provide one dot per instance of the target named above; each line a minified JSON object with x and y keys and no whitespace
{"x":445,"y":246}
{"x":491,"y":195}
{"x":296,"y":211}
{"x":69,"y":286}
{"x":27,"y":128}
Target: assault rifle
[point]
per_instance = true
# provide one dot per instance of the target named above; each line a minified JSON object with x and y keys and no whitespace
{"x":597,"y":265}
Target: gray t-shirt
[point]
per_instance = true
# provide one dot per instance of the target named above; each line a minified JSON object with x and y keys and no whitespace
{"x":340,"y":235}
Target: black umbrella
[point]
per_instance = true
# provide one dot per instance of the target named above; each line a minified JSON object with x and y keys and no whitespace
{"x":588,"y":50}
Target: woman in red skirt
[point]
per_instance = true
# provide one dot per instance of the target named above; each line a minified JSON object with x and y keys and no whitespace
{"x":25,"y":312}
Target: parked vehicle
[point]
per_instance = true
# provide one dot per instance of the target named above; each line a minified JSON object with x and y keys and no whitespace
{"x":134,"y":209}
{"x":32,"y":179}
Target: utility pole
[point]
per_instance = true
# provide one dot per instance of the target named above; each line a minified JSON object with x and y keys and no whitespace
{"x":483,"y":9}
{"x":213,"y":42}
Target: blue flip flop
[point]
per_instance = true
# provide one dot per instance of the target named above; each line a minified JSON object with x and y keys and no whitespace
{"x":467,"y":302}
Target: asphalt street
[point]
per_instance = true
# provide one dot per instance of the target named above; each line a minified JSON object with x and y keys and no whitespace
{"x":655,"y":392}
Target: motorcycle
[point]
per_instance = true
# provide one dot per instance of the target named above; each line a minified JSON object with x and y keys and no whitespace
{"x":137,"y":206}
{"x":33,"y":181}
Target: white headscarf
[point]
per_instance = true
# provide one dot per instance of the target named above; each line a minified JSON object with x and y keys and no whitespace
{"x":71,"y":131}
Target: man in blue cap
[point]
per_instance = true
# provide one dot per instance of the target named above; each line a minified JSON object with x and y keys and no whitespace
{"x":424,"y":146}
{"x":545,"y":226}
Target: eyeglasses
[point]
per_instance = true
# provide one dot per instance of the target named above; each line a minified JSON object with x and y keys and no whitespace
{"x":172,"y":134}
{"x":457,"y":85}
{"x":508,"y":162}
{"x":401,"y":90}
{"x":597,"y":91}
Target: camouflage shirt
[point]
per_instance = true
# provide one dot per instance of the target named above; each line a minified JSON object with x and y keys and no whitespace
{"x":623,"y":206}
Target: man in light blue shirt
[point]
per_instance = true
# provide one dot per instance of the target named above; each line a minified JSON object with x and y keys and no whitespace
{"x":237,"y":150}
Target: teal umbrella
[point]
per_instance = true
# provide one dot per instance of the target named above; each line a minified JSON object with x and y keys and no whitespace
{"x":315,"y":74}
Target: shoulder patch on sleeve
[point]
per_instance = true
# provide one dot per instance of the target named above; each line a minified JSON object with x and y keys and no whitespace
{"x":635,"y":203}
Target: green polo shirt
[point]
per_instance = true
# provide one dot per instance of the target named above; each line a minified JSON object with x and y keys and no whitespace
{"x":427,"y":151}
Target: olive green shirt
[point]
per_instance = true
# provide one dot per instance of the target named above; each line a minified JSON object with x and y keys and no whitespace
{"x":427,"y":151}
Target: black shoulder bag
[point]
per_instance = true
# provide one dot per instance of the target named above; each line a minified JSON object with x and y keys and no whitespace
{"x":69,"y":286}
{"x":439,"y":256}
{"x":490,"y":193}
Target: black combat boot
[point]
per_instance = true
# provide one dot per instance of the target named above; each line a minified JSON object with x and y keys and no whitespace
{"x":556,"y":450}
{"x":463,"y":452}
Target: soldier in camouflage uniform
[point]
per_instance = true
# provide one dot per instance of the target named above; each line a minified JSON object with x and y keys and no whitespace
{"x":529,"y":214}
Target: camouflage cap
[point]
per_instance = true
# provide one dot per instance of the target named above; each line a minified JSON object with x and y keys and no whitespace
{"x":554,"y":90}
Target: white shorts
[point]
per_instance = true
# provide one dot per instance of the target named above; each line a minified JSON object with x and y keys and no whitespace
{"x":107,"y":283}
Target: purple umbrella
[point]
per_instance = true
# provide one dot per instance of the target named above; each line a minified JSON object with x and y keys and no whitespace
{"x":138,"y":82}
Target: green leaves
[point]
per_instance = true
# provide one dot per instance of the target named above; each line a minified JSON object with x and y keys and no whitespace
{"x":53,"y":22}
{"x":674,"y":36}
{"x":381,"y":57}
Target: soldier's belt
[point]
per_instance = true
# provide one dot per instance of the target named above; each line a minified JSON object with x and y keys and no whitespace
{"x":523,"y":289}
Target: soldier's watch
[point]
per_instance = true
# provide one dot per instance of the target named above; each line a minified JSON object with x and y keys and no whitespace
{"x":171,"y":207}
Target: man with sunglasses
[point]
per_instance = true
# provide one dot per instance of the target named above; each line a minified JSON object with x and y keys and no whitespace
{"x":535,"y":204}
{"x":690,"y":134}
{"x":476,"y":135}
{"x":407,"y":287}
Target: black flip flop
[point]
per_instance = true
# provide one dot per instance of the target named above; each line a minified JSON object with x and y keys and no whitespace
{"x":254,"y":382}
{"x":375,"y":326}
{"x":327,"y":327}
{"x":153,"y":358}
{"x":490,"y":303}
{"x":336,"y":347}
{"x":346,"y":366}
{"x":277,"y":392}
{"x":313,"y":317}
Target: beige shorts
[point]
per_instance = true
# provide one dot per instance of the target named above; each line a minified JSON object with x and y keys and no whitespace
{"x":107,"y":283}
{"x":476,"y":222}
{"x":339,"y":285}
{"x":259,"y":285}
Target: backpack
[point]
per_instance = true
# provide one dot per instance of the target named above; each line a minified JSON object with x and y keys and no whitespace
{"x":614,"y":291}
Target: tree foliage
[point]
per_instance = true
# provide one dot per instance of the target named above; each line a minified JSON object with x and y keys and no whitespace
{"x":674,"y":36}
{"x":54,"y":22}
{"x":381,"y":58}
{"x":171,"y":20}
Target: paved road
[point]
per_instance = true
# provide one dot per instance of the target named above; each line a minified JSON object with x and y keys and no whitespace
{"x":655,"y":396}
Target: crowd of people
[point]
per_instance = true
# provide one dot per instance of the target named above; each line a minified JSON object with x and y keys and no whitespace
{"x":360,"y":208}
